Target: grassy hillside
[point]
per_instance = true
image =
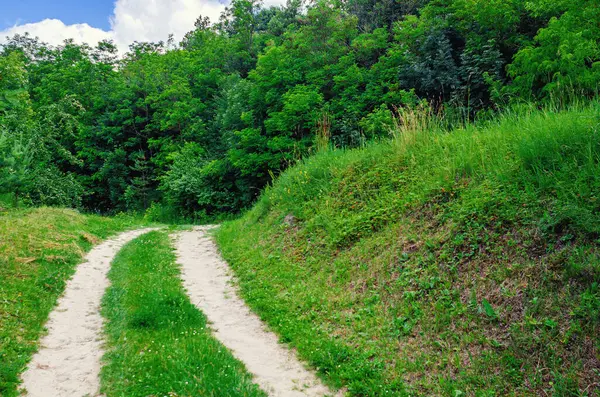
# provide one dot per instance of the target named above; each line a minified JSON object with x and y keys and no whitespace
{"x":39,"y":249}
{"x":462,"y":263}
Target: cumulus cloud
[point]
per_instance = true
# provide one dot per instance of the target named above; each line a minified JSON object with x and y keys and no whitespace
{"x":132,"y":20}
{"x":154,"y":20}
{"x":54,"y":31}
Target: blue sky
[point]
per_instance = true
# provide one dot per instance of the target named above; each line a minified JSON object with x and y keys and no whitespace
{"x":96,"y":13}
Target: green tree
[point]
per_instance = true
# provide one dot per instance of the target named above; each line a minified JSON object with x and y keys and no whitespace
{"x":15,"y":122}
{"x":15,"y":164}
{"x":565,"y":56}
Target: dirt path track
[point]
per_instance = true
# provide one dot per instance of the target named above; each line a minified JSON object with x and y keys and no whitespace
{"x":209,"y":284}
{"x":68,"y":362}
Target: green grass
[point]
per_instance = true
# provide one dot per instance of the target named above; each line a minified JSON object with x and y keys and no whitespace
{"x":39,"y":249}
{"x":158,"y":342}
{"x":438,"y":263}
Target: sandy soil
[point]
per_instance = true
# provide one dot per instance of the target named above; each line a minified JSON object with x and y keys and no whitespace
{"x":209,"y":284}
{"x":68,"y":362}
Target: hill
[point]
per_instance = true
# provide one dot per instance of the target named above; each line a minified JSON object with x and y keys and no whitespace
{"x":437,"y":263}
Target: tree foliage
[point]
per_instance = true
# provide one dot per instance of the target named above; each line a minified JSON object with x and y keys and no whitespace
{"x":202,"y":126}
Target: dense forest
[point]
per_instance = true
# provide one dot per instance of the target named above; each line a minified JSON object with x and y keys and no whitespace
{"x":198,"y":128}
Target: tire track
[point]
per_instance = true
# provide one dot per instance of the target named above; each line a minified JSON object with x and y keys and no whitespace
{"x":208,"y":282}
{"x":68,"y":361}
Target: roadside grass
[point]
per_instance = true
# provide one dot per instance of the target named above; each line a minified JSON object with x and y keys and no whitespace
{"x":158,"y":342}
{"x":39,"y":250}
{"x":439,"y":263}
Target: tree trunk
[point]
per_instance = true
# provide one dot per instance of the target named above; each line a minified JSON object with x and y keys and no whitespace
{"x":16,"y":199}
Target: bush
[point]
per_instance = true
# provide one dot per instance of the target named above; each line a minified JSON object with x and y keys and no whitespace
{"x":565,"y":56}
{"x":50,"y":187}
{"x":198,"y":186}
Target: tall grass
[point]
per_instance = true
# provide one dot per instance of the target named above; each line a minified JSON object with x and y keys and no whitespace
{"x":323,"y":136}
{"x":546,"y":151}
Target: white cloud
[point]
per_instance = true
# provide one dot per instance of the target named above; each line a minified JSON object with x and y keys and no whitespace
{"x":154,"y":20}
{"x":132,"y":20}
{"x":54,"y":31}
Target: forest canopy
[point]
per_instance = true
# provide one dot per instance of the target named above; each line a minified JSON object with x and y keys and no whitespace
{"x":198,"y":128}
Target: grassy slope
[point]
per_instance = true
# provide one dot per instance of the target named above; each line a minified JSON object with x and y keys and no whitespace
{"x":438,"y":264}
{"x":39,"y":250}
{"x":159,"y":343}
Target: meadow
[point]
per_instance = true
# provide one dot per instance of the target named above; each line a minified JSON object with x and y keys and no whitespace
{"x":408,"y":194}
